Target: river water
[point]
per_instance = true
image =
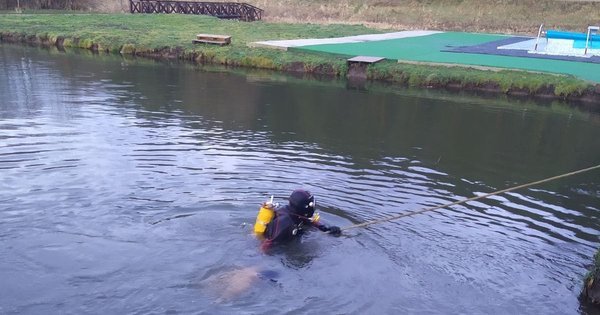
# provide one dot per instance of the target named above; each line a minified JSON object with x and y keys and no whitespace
{"x":130,"y":187}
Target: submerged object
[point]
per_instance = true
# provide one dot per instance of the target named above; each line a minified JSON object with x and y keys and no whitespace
{"x":235,"y":283}
{"x":232,"y":284}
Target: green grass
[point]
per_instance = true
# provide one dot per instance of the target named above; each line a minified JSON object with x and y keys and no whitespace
{"x":146,"y":33}
{"x":489,"y":16}
{"x":466,"y":78}
{"x":164,"y":34}
{"x":595,"y":269}
{"x":161,"y":30}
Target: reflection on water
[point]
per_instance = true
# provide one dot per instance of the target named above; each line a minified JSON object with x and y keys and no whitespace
{"x":126,"y":185}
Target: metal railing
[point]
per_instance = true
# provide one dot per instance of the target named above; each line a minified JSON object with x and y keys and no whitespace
{"x":223,"y":10}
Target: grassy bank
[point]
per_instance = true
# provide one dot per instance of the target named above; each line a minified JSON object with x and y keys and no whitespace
{"x":591,"y":287}
{"x":495,"y":16}
{"x":169,"y":36}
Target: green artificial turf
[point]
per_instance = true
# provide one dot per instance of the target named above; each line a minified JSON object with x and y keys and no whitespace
{"x":430,"y":48}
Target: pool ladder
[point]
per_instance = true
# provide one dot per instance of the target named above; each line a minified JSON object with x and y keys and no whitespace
{"x":540,"y":33}
{"x":592,"y":30}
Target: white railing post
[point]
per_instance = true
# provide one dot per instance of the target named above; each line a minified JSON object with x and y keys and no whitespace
{"x":538,"y":37}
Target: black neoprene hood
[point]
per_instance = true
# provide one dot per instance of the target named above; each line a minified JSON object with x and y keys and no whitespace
{"x":300,"y":201}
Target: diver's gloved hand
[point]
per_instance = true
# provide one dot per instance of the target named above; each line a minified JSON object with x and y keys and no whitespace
{"x":335,"y":230}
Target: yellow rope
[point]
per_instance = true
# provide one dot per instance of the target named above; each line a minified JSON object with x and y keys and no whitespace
{"x":407,"y":214}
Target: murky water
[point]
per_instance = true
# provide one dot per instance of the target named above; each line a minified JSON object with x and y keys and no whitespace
{"x":128,"y":186}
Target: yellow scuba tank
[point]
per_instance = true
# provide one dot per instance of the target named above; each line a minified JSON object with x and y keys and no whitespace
{"x":265,"y":215}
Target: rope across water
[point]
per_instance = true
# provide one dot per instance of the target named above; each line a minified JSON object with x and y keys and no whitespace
{"x":411,"y":213}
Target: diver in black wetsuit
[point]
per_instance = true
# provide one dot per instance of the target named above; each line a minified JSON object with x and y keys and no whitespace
{"x":291,"y":220}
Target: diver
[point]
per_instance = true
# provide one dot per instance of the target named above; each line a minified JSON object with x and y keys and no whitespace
{"x":289,"y":222}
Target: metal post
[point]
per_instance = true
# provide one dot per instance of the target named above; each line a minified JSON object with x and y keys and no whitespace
{"x":538,"y":37}
{"x":587,"y":40}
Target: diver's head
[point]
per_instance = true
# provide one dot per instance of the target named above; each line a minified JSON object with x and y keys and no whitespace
{"x":302,"y":203}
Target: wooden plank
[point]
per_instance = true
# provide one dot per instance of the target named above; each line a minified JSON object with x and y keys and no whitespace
{"x":215,"y":39}
{"x":212,"y":39}
{"x":214,"y":42}
{"x":365,"y":59}
{"x":213,"y":36}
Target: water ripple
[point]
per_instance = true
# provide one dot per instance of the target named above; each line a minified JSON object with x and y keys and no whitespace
{"x":103,"y":162}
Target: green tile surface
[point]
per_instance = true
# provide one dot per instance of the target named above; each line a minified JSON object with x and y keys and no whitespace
{"x":429,"y":49}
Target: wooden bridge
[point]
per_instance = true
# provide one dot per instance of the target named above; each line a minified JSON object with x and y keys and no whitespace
{"x":222,"y":10}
